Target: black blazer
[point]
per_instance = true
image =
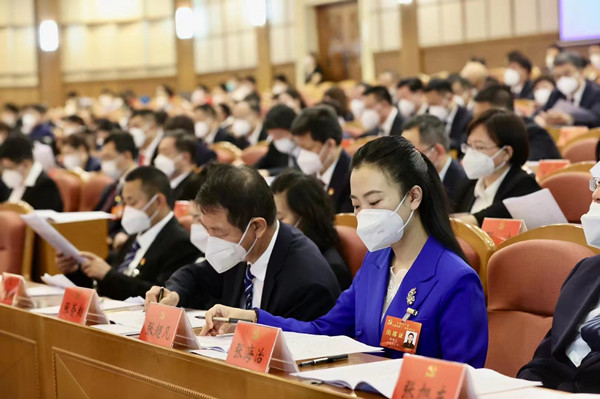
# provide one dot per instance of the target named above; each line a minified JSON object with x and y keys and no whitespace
{"x":516,"y":184}
{"x":396,"y":129}
{"x":43,"y":195}
{"x":92,"y":165}
{"x":541,"y":144}
{"x":458,"y":131}
{"x":339,"y":186}
{"x":454,"y":180}
{"x":182,"y":191}
{"x":590,"y":100}
{"x":526,"y":91}
{"x":108,"y":200}
{"x":298,"y":283}
{"x":242,"y":142}
{"x":274,"y":161}
{"x":339,"y":267}
{"x":224,"y":135}
{"x":170,"y":250}
{"x":550,"y":364}
{"x":204,"y":154}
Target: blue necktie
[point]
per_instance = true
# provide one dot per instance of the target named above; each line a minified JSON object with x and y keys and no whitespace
{"x":129,"y":257}
{"x":590,"y":332}
{"x":248,"y":279}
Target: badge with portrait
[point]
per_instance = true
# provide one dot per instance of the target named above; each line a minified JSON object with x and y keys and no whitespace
{"x":401,"y":335}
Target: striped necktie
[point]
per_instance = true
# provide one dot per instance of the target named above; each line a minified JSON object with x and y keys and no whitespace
{"x":131,"y":252}
{"x":590,"y":332}
{"x":248,"y":285}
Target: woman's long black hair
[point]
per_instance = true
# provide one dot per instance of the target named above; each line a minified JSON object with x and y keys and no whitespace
{"x":402,"y":163}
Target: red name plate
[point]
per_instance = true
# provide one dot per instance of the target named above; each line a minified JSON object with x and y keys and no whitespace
{"x":13,"y":286}
{"x":182,"y":208}
{"x":81,"y":306}
{"x":423,"y":377}
{"x":252,"y":346}
{"x":502,"y":229}
{"x":167,"y":326}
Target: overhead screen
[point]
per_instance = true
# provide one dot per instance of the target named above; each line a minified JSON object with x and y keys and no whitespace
{"x":579,"y":20}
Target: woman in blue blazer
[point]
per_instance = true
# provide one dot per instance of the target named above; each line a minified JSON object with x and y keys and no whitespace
{"x":413,"y":261}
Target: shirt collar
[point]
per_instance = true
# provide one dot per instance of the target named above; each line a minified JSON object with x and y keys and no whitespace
{"x":211,"y":136}
{"x":176,"y":181}
{"x":389,"y":122}
{"x":445,"y":168}
{"x":255,"y":135}
{"x":146,"y":238}
{"x":259,"y":268}
{"x":34,"y":173}
{"x":579,"y":93}
{"x":149,"y":152}
{"x":492,"y":189}
{"x":328,"y":174}
{"x":122,"y":178}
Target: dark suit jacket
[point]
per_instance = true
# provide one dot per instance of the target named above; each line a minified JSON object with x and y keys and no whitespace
{"x":550,"y":364}
{"x":170,"y":250}
{"x":396,"y":129}
{"x":242,"y":142}
{"x":274,"y":161}
{"x":43,"y":133}
{"x":590,"y":100}
{"x":298,"y":283}
{"x":92,"y":165}
{"x":516,"y":184}
{"x":182,"y":190}
{"x":541,"y":144}
{"x":526,"y":91}
{"x":339,"y":186}
{"x":224,"y":135}
{"x":458,"y":131}
{"x":43,"y":195}
{"x":454,"y":180}
{"x":339,"y":267}
{"x":108,"y":200}
{"x":204,"y":154}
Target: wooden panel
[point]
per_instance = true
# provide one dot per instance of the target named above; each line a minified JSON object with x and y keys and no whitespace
{"x":525,"y":16}
{"x":139,"y":86}
{"x":15,"y":379}
{"x":387,"y":61}
{"x":49,"y":63}
{"x":499,"y":18}
{"x":475,"y":20}
{"x":19,"y":95}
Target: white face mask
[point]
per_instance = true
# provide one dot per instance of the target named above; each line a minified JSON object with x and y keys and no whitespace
{"x":439,"y":111}
{"x":380,"y":228}
{"x":29,"y":120}
{"x":357,"y":107}
{"x":111,"y":169}
{"x":105,"y":100}
{"x":279,"y":88}
{"x":241,"y":127}
{"x":369,"y":119}
{"x":198,"y":97}
{"x":223,"y":255}
{"x":477,"y":164}
{"x":201,"y":129}
{"x":595,"y":60}
{"x":139,"y":136}
{"x":567,"y":85}
{"x":199,"y":236}
{"x":310,"y":162}
{"x":407,"y":108}
{"x":541,"y":96}
{"x":458,"y":100}
{"x":165,"y":164}
{"x":549,"y":62}
{"x":511,"y":77}
{"x":591,"y":225}
{"x":72,"y":161}
{"x":135,"y":220}
{"x":284,"y":145}
{"x":12,"y":178}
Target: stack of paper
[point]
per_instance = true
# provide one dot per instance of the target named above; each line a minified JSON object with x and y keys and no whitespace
{"x":45,"y":290}
{"x":117,"y":329}
{"x":70,"y":217}
{"x":58,"y":280}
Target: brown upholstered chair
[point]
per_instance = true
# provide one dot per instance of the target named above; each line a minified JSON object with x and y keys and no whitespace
{"x":581,"y":150}
{"x":352,"y":148}
{"x":571,"y":192}
{"x":226,"y":152}
{"x":254,"y":153}
{"x":69,"y":187}
{"x":16,"y":239}
{"x":92,"y":190}
{"x":524,"y":281}
{"x":351,"y":248}
{"x":346,"y":219}
{"x":560,"y":232}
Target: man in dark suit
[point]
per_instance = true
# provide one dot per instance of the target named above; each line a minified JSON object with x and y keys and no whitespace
{"x":441,"y":105}
{"x":157,"y":244}
{"x":380,"y":116}
{"x":518,"y":75}
{"x":247,"y":124}
{"x":318,"y":133}
{"x":576,"y":91}
{"x":26,"y":179}
{"x":269,"y":265}
{"x":75,"y":152}
{"x":541,"y":144}
{"x":279,"y":157}
{"x":203,"y":154}
{"x":426,"y":133}
{"x":206,"y":126}
{"x":176,"y":160}
{"x":35,"y":127}
{"x":146,"y":132}
{"x":410,"y":97}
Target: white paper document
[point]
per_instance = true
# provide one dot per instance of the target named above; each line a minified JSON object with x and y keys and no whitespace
{"x":58,"y":280}
{"x":70,"y":217}
{"x":117,"y":329}
{"x":194,"y":321}
{"x":536,"y":209}
{"x":50,"y":310}
{"x":45,"y":290}
{"x":50,"y":234}
{"x":130,"y":318}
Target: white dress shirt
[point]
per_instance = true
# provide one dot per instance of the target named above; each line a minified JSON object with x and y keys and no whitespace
{"x":579,"y":349}
{"x":17,"y":193}
{"x":386,"y":127}
{"x":176,"y":181}
{"x":450,"y":119}
{"x":149,"y":151}
{"x":255,"y":135}
{"x":484,"y":196}
{"x":145,"y":240}
{"x":328,"y":174}
{"x":209,"y":139}
{"x":445,"y":168}
{"x":578,"y":94}
{"x":259,"y":271}
{"x":393,"y":284}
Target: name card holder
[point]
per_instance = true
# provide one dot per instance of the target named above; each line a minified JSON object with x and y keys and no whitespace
{"x":82,"y":306}
{"x":13,"y":291}
{"x":502,"y":229}
{"x":168,"y":326}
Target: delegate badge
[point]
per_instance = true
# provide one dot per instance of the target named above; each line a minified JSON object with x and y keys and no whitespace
{"x":401,"y":335}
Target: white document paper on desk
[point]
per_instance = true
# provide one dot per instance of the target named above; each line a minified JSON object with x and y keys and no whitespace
{"x":308,"y":346}
{"x":58,"y":280}
{"x":194,"y":321}
{"x":50,"y":234}
{"x":45,"y":290}
{"x":117,"y":329}
{"x":106,"y":304}
{"x":129,"y":318}
{"x":70,"y":217}
{"x":536,"y":209}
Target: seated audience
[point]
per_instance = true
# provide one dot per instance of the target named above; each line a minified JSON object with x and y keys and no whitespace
{"x":156,"y":246}
{"x":252,"y":260}
{"x":413,"y":261}
{"x":72,"y":124}
{"x":463,"y":91}
{"x":496,"y":149}
{"x":282,"y":148}
{"x":380,"y":116}
{"x":410,"y":97}
{"x":35,"y":126}
{"x":292,"y":98}
{"x":247,"y":126}
{"x":24,"y":178}
{"x":176,"y":153}
{"x":206,"y":126}
{"x":301,"y":202}
{"x":337,"y":94}
{"x":146,"y":133}
{"x":75,"y":151}
{"x":224,"y":116}
{"x":518,"y":75}
{"x":10,"y":117}
{"x":543,"y":87}
{"x":204,"y":154}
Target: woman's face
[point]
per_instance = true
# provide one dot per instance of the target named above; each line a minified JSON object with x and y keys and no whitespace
{"x":480,"y":141}
{"x":284,"y":213}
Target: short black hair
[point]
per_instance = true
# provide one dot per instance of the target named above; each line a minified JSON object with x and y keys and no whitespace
{"x":153,"y":182}
{"x":77,"y":140}
{"x":413,"y":84}
{"x":105,"y":124}
{"x":146,"y":114}
{"x":479,"y":60}
{"x":498,"y":96}
{"x":161,"y":117}
{"x":168,"y":89}
{"x":40,"y":108}
{"x":568,"y":57}
{"x":295,"y":94}
{"x":281,"y":77}
{"x":253,"y":102}
{"x":505,"y":128}
{"x":431,"y":130}
{"x":201,"y":86}
{"x":123,"y":142}
{"x":182,"y":122}
{"x":544,"y":78}
{"x":556,"y":46}
{"x":16,"y":149}
{"x":521,"y":59}
{"x":11,"y":107}
{"x":184,"y":142}
{"x":207,"y":109}
{"x":320,"y":121}
{"x":381,"y":93}
{"x":279,"y":116}
{"x":74,"y":119}
{"x":240,"y":190}
{"x":456,"y":78}
{"x":225,"y":108}
{"x":438,"y":85}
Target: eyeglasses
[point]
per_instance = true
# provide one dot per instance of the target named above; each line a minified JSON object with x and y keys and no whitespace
{"x":465,"y":146}
{"x":594,"y":183}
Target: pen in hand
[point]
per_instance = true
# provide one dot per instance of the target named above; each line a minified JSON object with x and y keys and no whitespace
{"x":323,"y":360}
{"x":161,"y":293}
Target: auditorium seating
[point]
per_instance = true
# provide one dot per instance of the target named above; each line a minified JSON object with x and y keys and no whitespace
{"x":254,"y":153}
{"x":92,"y":190}
{"x":571,"y":192}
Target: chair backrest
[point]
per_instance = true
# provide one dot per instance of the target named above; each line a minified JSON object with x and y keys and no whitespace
{"x":559,"y":232}
{"x":92,"y":190}
{"x":254,"y":153}
{"x":477,"y":246}
{"x":346,"y":219}
{"x":581,"y":150}
{"x":226,"y":152}
{"x":524,"y":281}
{"x":351,"y":248}
{"x":17,"y":249}
{"x":186,"y":222}
{"x":571,"y":192}
{"x":69,"y":187}
{"x":584,"y":166}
